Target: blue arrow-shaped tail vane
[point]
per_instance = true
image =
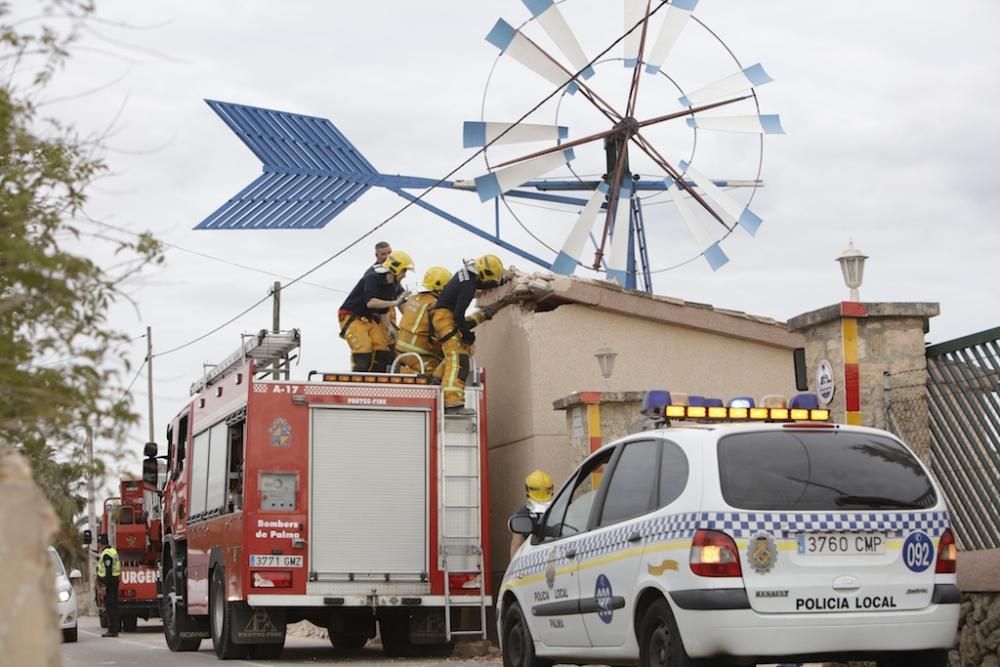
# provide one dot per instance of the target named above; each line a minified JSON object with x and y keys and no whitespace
{"x":311,"y":171}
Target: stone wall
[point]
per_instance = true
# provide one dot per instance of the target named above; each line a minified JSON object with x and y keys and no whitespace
{"x":29,"y":633}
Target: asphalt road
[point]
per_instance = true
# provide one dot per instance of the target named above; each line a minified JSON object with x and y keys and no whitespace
{"x":146,"y":648}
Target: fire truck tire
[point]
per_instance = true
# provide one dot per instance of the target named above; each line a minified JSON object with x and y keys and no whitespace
{"x":130,"y":622}
{"x":394,"y":633}
{"x":221,"y":618}
{"x":347,"y":643}
{"x":175,"y":620}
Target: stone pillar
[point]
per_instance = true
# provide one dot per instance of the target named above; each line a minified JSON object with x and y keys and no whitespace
{"x":876,"y":351}
{"x":594,"y":418}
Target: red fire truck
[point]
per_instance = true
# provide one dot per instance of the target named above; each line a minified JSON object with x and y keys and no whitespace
{"x":132,"y":523}
{"x":351,"y":500}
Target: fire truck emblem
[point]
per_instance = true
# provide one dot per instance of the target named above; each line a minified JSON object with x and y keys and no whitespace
{"x":280,"y":432}
{"x":762,"y":552}
{"x":130,"y":540}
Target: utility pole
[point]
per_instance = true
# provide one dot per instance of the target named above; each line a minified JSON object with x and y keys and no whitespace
{"x":149,"y":381}
{"x":276,"y":324}
{"x":92,"y":523}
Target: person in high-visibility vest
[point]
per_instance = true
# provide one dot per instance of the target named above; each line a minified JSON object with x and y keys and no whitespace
{"x":414,"y":336}
{"x":109,"y":570}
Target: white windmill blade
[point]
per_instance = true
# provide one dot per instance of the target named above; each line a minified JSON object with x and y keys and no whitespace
{"x":496,"y":183}
{"x":547,"y":13}
{"x":618,"y":256}
{"x":751,"y":124}
{"x":510,"y":41}
{"x":477,"y":133}
{"x":742,"y":81}
{"x":674,"y":23}
{"x":635,"y":10}
{"x":572,"y":250}
{"x":748,"y":220}
{"x":710,"y":248}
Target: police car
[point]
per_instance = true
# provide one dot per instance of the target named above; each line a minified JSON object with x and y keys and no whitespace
{"x":757,"y":535}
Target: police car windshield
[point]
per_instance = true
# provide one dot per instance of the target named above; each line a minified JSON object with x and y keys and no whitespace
{"x":56,"y":562}
{"x":820,"y":470}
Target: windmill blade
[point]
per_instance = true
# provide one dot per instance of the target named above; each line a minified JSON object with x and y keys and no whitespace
{"x":748,"y":219}
{"x":547,"y":13}
{"x":572,"y":250}
{"x":510,"y":41}
{"x":618,"y":256}
{"x":494,"y":184}
{"x":674,"y":23}
{"x":752,"y":124}
{"x":710,"y":248}
{"x":635,"y":11}
{"x":742,"y":81}
{"x":476,"y":134}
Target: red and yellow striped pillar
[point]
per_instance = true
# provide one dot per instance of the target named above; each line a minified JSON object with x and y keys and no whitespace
{"x":850,"y":312}
{"x":592,"y":399}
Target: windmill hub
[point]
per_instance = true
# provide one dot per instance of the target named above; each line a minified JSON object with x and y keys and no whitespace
{"x":628,"y":126}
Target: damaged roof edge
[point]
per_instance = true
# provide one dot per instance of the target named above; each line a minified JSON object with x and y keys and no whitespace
{"x":545,"y":292}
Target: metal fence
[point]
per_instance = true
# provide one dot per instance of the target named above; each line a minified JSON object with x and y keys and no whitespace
{"x":960,"y":401}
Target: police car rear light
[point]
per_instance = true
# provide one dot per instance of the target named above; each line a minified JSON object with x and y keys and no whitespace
{"x":714,"y":554}
{"x":271,"y":578}
{"x":947,"y":559}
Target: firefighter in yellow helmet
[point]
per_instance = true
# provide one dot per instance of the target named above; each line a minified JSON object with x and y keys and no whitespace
{"x":364,"y":315}
{"x":453,"y":330}
{"x":538,"y":487}
{"x":414,"y":335}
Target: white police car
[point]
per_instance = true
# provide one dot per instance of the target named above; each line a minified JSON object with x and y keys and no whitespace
{"x":737,"y":543}
{"x":66,"y":596}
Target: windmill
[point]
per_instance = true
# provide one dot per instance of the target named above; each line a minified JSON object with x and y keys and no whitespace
{"x":625,"y":128}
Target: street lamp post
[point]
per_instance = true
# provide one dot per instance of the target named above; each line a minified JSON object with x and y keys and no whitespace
{"x":852,"y":264}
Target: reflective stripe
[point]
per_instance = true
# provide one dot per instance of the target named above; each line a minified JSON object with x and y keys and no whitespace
{"x":410,"y":347}
{"x":420,"y":317}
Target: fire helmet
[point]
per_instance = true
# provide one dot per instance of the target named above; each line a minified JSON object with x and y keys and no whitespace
{"x":489,"y":270}
{"x":397,"y":262}
{"x":539,"y":486}
{"x":436,"y":278}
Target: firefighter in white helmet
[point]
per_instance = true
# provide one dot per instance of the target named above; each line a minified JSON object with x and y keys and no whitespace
{"x":364,"y":315}
{"x":538,"y":487}
{"x":453,"y":330}
{"x":414,"y":335}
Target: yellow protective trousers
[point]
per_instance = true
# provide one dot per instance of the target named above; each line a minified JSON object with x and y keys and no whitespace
{"x":369,"y":343}
{"x":415,"y":334}
{"x":454,"y":369}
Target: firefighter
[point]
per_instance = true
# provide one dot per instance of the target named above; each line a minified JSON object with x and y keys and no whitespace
{"x":364,"y":315}
{"x":415,"y":324}
{"x":538,"y":487}
{"x":109,"y":571}
{"x":382,"y":250}
{"x":453,"y":330}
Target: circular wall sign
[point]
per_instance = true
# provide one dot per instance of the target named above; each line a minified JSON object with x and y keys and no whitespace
{"x":824,"y":381}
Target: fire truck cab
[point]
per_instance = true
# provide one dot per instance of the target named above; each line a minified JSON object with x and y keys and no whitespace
{"x":350,"y":500}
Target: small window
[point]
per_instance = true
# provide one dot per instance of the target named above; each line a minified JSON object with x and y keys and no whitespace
{"x":673,"y":473}
{"x":570,"y":513}
{"x":632,"y":489}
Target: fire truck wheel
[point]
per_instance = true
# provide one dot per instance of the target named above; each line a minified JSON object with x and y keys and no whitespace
{"x":266,"y":651}
{"x":395,"y":634}
{"x":221,"y":619}
{"x":347,"y":643}
{"x":130,"y":623}
{"x":174,"y":620}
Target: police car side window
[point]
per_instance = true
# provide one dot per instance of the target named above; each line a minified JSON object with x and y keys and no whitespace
{"x":570,"y":512}
{"x":674,"y":472}
{"x":632,"y":488}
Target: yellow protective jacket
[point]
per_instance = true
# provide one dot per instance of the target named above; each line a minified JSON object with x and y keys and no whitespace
{"x":116,"y":563}
{"x":415,"y":326}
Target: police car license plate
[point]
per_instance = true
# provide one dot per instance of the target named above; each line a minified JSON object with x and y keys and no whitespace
{"x":841,"y":544}
{"x":257,"y":560}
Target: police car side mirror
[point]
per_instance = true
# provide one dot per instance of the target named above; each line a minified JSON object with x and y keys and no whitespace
{"x":522,"y":524}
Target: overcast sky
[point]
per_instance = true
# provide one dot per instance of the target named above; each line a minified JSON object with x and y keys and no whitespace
{"x":890,"y":110}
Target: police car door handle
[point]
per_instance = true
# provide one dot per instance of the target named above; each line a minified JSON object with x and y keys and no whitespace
{"x":635,"y":537}
{"x":571,"y":554}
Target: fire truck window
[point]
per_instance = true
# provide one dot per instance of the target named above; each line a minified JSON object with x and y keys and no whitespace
{"x":215,"y":497}
{"x":170,"y":445}
{"x":235,"y":482}
{"x":182,"y":436}
{"x":199,"y":474}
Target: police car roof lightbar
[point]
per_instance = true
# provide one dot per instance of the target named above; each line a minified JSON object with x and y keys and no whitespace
{"x":802,"y":407}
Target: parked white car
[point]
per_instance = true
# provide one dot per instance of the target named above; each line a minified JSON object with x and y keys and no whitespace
{"x":735,"y":544}
{"x":65,"y":596}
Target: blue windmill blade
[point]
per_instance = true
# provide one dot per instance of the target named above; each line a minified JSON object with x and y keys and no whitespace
{"x":311,"y":171}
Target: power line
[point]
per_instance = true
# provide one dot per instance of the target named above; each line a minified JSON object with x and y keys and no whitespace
{"x":411,"y":202}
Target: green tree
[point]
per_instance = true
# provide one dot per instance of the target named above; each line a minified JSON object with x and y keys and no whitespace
{"x":62,"y":364}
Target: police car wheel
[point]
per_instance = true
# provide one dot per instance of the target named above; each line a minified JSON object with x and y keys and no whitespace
{"x":518,"y":645}
{"x":659,"y":641}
